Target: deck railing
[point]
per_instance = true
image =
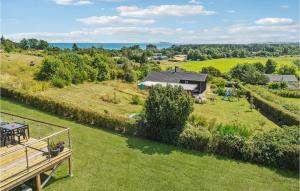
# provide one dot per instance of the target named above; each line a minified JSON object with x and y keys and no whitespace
{"x":34,"y":145}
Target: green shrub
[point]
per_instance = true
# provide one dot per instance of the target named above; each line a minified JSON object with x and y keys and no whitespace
{"x":278,"y":85}
{"x":195,"y":138}
{"x":273,"y":109}
{"x":278,"y":147}
{"x":230,"y":145}
{"x":219,"y":82}
{"x":220,"y":91}
{"x":58,"y":82}
{"x":135,"y":99}
{"x":49,"y":68}
{"x":166,"y":112}
{"x":287,"y":93}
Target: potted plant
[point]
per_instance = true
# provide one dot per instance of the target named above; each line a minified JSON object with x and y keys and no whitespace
{"x":54,"y":150}
{"x":60,"y":145}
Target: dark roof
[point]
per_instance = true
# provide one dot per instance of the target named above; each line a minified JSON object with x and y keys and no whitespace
{"x":175,"y":77}
{"x":278,"y":77}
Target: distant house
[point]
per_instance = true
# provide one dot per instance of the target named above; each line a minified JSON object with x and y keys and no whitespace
{"x":180,"y":57}
{"x":290,"y":79}
{"x":190,"y":81}
{"x":158,"y":56}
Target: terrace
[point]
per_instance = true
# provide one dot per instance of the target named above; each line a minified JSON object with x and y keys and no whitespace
{"x":30,"y":148}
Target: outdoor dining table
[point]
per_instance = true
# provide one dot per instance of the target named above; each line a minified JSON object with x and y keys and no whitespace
{"x":15,"y":126}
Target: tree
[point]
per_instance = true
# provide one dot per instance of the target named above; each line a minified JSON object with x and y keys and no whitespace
{"x":288,"y":69}
{"x":75,"y":47}
{"x":151,"y":46}
{"x":211,"y":71}
{"x":166,"y":111}
{"x":270,"y":66}
{"x":102,"y":66}
{"x":49,"y":68}
{"x":24,"y":44}
{"x":260,"y":67}
{"x":43,"y":45}
{"x":33,"y":43}
{"x":297,"y":63}
{"x":248,"y":73}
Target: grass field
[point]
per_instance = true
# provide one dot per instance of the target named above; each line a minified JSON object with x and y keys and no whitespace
{"x":88,"y":96}
{"x":237,"y":111}
{"x":16,"y":72}
{"x":104,"y":160}
{"x":223,"y":64}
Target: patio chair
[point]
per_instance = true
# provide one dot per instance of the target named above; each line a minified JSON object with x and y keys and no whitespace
{"x":21,"y":133}
{"x":5,"y":136}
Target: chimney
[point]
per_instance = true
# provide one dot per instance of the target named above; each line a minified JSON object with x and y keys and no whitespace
{"x":176,"y":67}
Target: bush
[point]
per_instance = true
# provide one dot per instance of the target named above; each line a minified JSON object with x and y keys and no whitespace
{"x":277,"y":113}
{"x":166,"y":111}
{"x":135,"y":99}
{"x":58,"y":82}
{"x":49,"y":68}
{"x":278,"y":148}
{"x":278,"y":85}
{"x":287,"y":93}
{"x":220,"y":91}
{"x":230,"y":145}
{"x":195,"y":138}
{"x":219,"y":82}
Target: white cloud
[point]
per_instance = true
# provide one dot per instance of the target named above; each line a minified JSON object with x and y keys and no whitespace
{"x":104,"y":20}
{"x":231,"y":11}
{"x":274,"y":21}
{"x":263,"y":28}
{"x":284,"y":6}
{"x":72,"y":2}
{"x":194,"y":2}
{"x":163,"y":10}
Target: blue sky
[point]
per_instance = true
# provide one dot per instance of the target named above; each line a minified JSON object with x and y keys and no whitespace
{"x":177,"y":21}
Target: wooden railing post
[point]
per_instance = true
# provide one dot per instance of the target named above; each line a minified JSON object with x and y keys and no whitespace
{"x":69,"y":137}
{"x":48,"y":146}
{"x":27,"y":162}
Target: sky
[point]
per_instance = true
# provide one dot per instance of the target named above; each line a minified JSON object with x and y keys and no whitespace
{"x":133,"y":21}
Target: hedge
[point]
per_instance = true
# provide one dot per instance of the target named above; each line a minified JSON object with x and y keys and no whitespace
{"x":278,"y":148}
{"x":276,"y":113}
{"x":105,"y":120}
{"x":287,"y":93}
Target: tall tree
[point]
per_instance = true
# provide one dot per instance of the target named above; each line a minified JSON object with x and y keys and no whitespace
{"x":270,"y":66}
{"x":75,"y":47}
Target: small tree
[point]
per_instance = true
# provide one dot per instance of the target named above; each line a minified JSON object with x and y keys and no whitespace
{"x":75,"y":47}
{"x":166,"y":111}
{"x":270,"y":66}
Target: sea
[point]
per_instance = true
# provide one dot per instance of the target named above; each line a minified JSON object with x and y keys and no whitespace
{"x":111,"y":46}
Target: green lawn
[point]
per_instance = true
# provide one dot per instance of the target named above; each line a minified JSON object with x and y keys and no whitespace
{"x":223,"y":64}
{"x":105,"y":160}
{"x":236,"y":111}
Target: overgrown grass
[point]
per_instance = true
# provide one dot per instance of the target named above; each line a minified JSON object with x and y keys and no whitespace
{"x":223,"y":64}
{"x":105,"y":160}
{"x":235,"y":111}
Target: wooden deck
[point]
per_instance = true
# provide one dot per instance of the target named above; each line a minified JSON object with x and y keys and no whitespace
{"x":16,"y":168}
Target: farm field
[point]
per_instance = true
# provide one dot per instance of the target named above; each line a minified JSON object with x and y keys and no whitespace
{"x":223,"y":64}
{"x":105,"y":160}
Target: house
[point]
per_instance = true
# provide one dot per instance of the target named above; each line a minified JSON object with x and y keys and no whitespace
{"x":190,"y":81}
{"x":158,"y":56}
{"x":180,"y":57}
{"x":290,"y":79}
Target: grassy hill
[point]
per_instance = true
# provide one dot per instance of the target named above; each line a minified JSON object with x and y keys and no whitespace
{"x":105,"y":160}
{"x":223,"y":64}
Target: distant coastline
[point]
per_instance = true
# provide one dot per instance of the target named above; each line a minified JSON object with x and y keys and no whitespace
{"x":111,"y":46}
